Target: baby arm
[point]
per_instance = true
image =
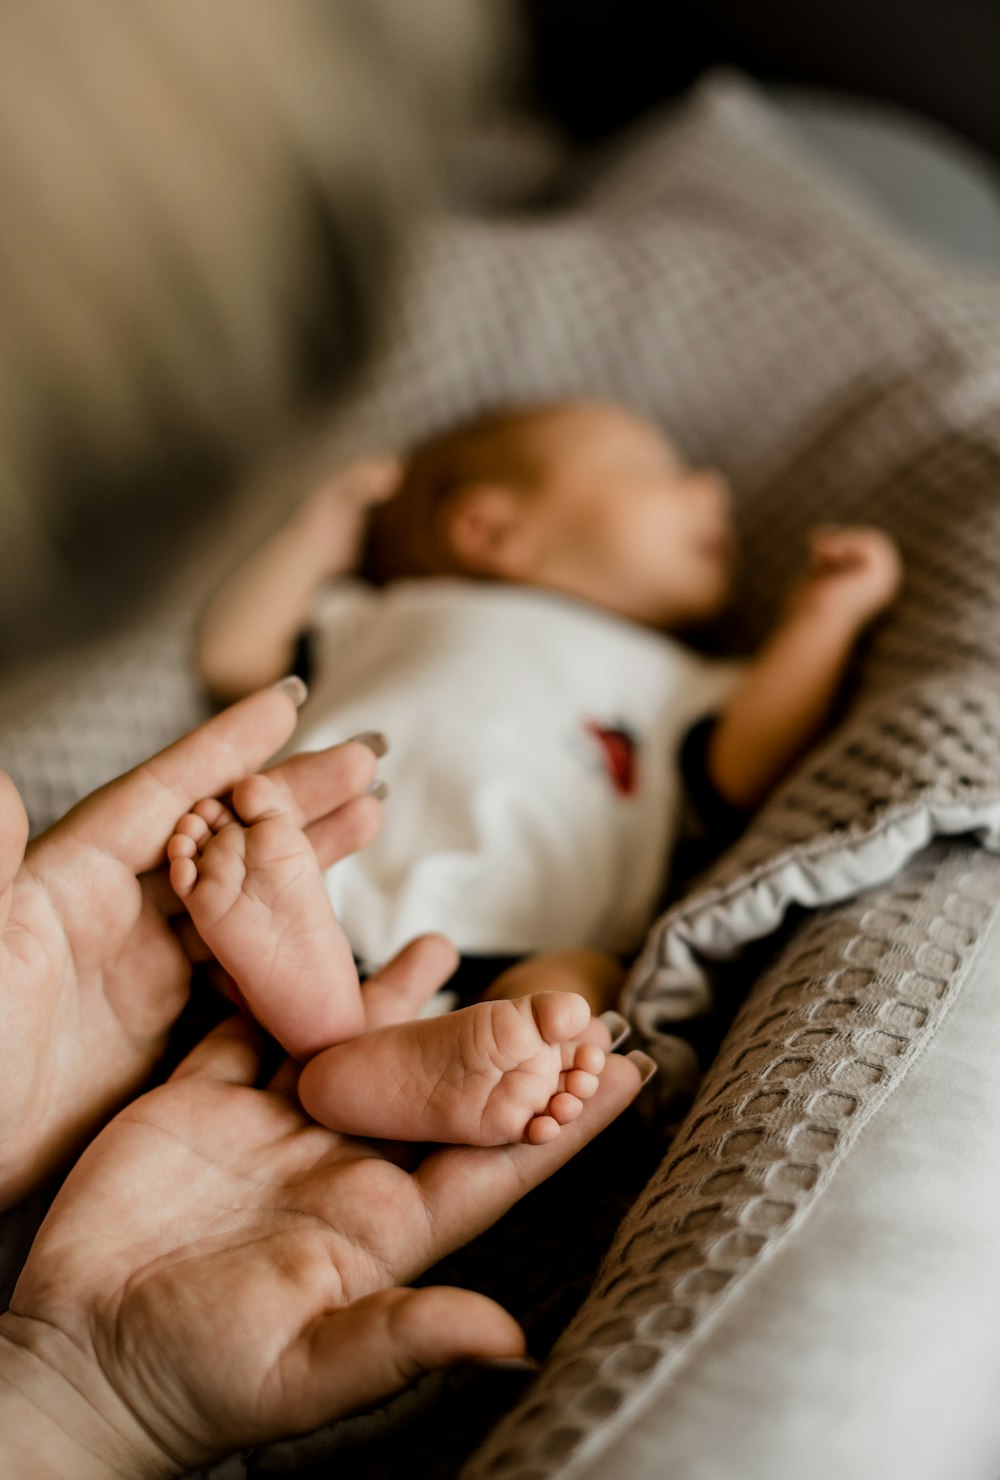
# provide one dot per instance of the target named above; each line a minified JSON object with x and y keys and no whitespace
{"x":853,"y":575}
{"x":249,"y":629}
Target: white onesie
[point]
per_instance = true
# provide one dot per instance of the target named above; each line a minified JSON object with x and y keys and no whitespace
{"x":533,"y":768}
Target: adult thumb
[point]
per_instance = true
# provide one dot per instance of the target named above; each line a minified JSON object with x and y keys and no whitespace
{"x":13,"y":839}
{"x":369,"y":1350}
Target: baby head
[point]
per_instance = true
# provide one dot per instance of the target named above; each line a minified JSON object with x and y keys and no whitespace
{"x":582,"y":497}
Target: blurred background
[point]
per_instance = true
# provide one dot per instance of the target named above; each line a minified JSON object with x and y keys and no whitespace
{"x":204,"y":206}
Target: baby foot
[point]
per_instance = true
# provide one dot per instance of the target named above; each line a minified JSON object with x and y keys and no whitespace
{"x":489,"y":1075}
{"x":254,"y":889}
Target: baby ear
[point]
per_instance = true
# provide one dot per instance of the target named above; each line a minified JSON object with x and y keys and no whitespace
{"x":483,"y":526}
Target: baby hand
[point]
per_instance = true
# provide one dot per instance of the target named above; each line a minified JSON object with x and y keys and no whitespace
{"x":854,"y":573}
{"x":336,"y":513}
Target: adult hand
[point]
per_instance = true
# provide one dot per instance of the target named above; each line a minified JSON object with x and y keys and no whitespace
{"x":93,"y":972}
{"x":218,"y":1271}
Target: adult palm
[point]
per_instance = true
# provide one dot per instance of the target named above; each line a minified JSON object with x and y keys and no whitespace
{"x":95,"y":964}
{"x":218,"y":1271}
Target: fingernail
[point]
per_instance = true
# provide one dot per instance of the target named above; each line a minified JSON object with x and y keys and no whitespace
{"x":616,"y":1026}
{"x":377,"y":743}
{"x":378,"y":789}
{"x":645,"y":1065}
{"x":294,"y":688}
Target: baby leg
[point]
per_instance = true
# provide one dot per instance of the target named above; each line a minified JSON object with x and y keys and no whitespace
{"x":593,"y":974}
{"x":489,"y":1075}
{"x":253,"y":887}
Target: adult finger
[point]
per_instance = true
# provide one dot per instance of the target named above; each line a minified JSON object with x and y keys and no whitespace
{"x":347,"y":1359}
{"x":159,"y":891}
{"x":326,"y":793}
{"x":13,"y":839}
{"x":197,"y":952}
{"x":398,"y":992}
{"x":285,"y":1078}
{"x":231,"y":1054}
{"x":132,"y":818}
{"x":467,"y":1188}
{"x":347,"y":830}
{"x":318,"y":782}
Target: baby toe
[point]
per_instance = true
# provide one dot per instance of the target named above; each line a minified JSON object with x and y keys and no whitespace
{"x":257,"y":799}
{"x":559,"y":1015}
{"x":596,"y":1032}
{"x":564,"y":1107}
{"x":181,"y":846}
{"x":213,"y":814}
{"x":541,"y":1129}
{"x":183,"y":876}
{"x":589,"y":1058}
{"x":582,"y":1084}
{"x":193,"y":826}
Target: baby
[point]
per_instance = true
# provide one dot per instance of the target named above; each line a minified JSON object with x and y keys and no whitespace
{"x":527,"y":576}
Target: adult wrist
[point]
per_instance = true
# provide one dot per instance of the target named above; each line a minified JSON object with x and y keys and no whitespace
{"x":59,"y":1416}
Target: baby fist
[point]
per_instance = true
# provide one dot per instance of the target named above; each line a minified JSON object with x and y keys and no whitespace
{"x":854,"y":573}
{"x":334,"y":517}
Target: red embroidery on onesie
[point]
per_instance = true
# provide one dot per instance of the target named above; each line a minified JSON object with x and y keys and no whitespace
{"x":620,"y":753}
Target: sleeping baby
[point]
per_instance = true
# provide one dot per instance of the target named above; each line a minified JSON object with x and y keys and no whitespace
{"x":517,"y":628}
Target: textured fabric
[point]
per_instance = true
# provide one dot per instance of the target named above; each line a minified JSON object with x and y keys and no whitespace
{"x":534,"y":762}
{"x":88,"y":717}
{"x":814,"y":1265}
